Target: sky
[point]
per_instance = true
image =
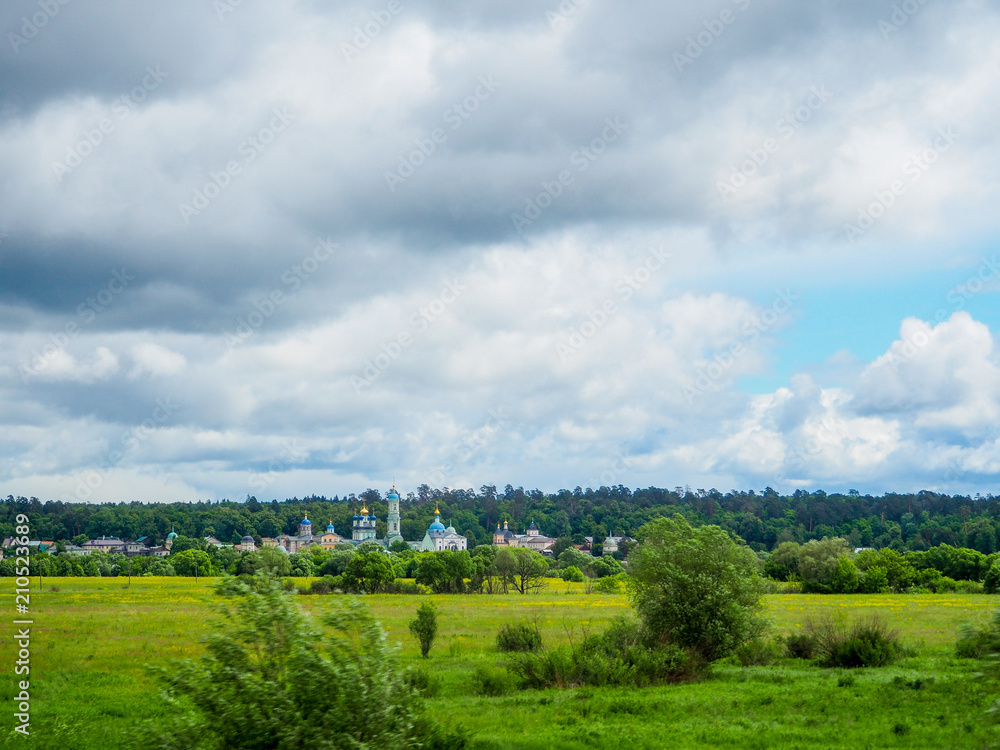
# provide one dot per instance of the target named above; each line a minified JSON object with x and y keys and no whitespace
{"x":293,"y":248}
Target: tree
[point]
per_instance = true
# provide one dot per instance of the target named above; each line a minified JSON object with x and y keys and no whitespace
{"x":190,"y":562}
{"x":444,"y":572}
{"x":184,"y":543}
{"x":368,"y":571}
{"x":424,"y":627}
{"x":844,"y":579}
{"x":562,"y":543}
{"x":521,"y":569}
{"x":270,"y":560}
{"x":818,"y":561}
{"x":783,"y":562}
{"x":272,"y":678}
{"x":399,"y":546}
{"x":336,"y":563}
{"x":696,"y":588}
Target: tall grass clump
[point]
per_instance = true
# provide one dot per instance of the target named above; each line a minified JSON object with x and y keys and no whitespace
{"x":866,"y":643}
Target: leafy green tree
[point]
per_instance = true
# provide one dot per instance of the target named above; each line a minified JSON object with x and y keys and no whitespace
{"x":900,"y":574}
{"x":184,"y":543}
{"x":562,"y":544}
{"x":575,"y":558}
{"x":484,"y":574}
{"x":336,"y":563}
{"x":399,"y":546}
{"x":444,"y":572}
{"x":875,"y":580}
{"x":991,"y":581}
{"x":520,"y":569}
{"x":818,"y":561}
{"x":424,"y":627}
{"x":572,"y":573}
{"x":272,"y":678}
{"x":844,"y":579}
{"x":696,"y":587}
{"x":368,"y":571}
{"x":191,"y":561}
{"x":783,"y":562}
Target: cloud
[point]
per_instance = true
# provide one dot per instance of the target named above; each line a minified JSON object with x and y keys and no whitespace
{"x":365,"y":234}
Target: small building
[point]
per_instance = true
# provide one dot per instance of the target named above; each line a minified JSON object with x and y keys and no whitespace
{"x":247,"y":544}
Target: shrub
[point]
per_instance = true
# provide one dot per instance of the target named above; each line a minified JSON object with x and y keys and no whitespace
{"x":520,"y":637}
{"x":491,"y":681}
{"x":425,"y":683}
{"x":572,"y":573}
{"x":866,"y":643}
{"x":696,"y":587}
{"x":424,"y":627}
{"x":610,"y":585}
{"x":624,"y":654}
{"x":760,"y":652}
{"x":268,"y":671}
{"x":800,"y":645}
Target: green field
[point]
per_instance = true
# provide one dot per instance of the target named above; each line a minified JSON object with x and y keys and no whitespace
{"x":93,"y":639}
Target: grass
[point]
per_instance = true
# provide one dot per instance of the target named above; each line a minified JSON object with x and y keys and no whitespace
{"x":92,"y":639}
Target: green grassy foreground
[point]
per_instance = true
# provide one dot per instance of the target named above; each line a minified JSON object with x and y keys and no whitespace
{"x":93,"y":638}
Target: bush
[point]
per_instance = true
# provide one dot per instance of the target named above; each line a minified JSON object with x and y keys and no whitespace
{"x":624,"y":655}
{"x":269,"y":671}
{"x":424,"y":627}
{"x":867,"y":643}
{"x":491,"y":681}
{"x":610,"y":585}
{"x":572,"y":573}
{"x":425,"y":683}
{"x":521,"y":637}
{"x":800,"y":646}
{"x":696,"y":587}
{"x":760,"y":652}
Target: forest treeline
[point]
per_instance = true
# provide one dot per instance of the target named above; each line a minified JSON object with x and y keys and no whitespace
{"x":900,"y":521}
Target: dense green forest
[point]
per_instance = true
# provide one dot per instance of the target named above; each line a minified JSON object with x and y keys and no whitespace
{"x":916,"y":521}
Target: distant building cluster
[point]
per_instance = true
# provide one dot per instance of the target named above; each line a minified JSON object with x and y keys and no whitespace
{"x":437,"y":538}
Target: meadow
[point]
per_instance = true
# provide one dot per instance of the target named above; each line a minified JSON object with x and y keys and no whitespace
{"x":93,"y":640}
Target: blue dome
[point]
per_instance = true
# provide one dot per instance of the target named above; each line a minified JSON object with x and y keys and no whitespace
{"x":306,"y":522}
{"x":436,"y":526}
{"x":247,"y":539}
{"x":329,"y":529}
{"x":357,"y":517}
{"x":394,"y":495}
